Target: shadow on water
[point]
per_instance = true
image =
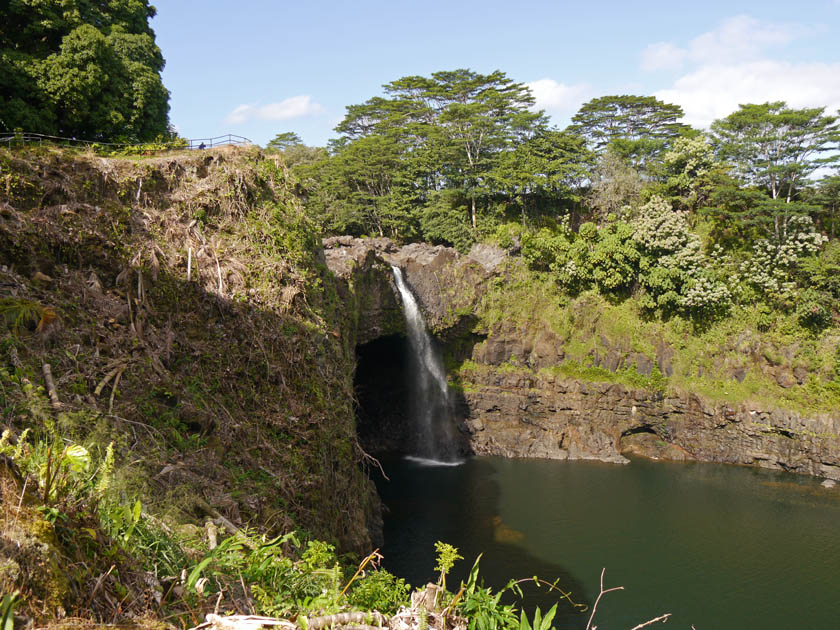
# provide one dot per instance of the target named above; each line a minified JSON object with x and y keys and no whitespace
{"x":460,"y":506}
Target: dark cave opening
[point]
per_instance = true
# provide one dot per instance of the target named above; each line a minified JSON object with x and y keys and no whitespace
{"x":383,"y":394}
{"x":645,"y":428}
{"x":387,"y":401}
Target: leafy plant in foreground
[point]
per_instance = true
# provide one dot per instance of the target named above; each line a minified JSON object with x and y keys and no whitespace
{"x":447,"y":556}
{"x":7,"y":609}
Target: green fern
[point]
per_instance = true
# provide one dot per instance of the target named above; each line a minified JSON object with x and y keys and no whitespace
{"x":17,"y":313}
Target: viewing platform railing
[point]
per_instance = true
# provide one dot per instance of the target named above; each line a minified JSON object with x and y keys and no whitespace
{"x":10,"y":140}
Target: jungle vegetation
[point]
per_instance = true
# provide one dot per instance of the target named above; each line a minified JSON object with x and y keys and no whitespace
{"x":627,"y":200}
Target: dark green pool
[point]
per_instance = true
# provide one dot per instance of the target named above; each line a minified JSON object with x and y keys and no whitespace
{"x":720,"y":547}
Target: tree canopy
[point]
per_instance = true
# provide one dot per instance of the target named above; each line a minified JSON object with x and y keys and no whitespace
{"x":82,"y":69}
{"x":636,"y":127}
{"x":775,"y":148}
{"x":439,"y":156}
{"x":284,"y":140}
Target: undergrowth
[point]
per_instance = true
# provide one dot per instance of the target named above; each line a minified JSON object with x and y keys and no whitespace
{"x":741,"y":357}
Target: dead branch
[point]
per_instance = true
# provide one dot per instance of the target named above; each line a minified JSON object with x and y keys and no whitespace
{"x":603,"y":592}
{"x":662,"y":618}
{"x":51,"y":389}
{"x":108,"y":377}
{"x":219,"y":271}
{"x":589,"y":626}
{"x":242,"y":622}
{"x":114,"y":389}
{"x":367,"y":457}
{"x":342,"y":619}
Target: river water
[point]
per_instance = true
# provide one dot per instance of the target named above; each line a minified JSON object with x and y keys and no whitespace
{"x":719,"y":547}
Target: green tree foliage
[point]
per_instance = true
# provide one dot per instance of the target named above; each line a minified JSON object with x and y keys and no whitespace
{"x":656,"y":252}
{"x":822,"y":270}
{"x":549,"y":166}
{"x":773,"y":263}
{"x":445,"y":219}
{"x":606,"y":258}
{"x":826,"y":195}
{"x":614,"y":258}
{"x":673,"y":269}
{"x":775,"y":148}
{"x":284,"y":140}
{"x":732,"y":210}
{"x":82,"y":69}
{"x":636,"y":127}
{"x":449,"y":140}
{"x":361,"y":190}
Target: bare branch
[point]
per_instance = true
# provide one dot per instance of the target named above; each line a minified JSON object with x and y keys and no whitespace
{"x":598,"y":599}
{"x":662,"y":618}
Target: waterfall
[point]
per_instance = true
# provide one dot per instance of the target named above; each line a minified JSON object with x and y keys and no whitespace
{"x":432,"y":413}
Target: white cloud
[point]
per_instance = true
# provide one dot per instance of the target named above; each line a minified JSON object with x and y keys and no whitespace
{"x":714,"y":91}
{"x":736,"y":39}
{"x":662,"y":56}
{"x":737,"y":63}
{"x":553,"y":96}
{"x":742,"y":38}
{"x":292,"y":107}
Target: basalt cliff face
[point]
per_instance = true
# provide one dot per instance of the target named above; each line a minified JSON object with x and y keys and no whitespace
{"x":514,"y":400}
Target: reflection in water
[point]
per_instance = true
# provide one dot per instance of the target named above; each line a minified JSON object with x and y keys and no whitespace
{"x":718,"y":546}
{"x":461,"y":506}
{"x":504,"y":534}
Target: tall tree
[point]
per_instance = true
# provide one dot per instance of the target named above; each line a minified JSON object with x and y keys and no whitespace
{"x":456,"y":124}
{"x":284,"y":140}
{"x":81,"y":69}
{"x":550,"y":167}
{"x":481,"y":115}
{"x":776,"y":147}
{"x":637,"y":128}
{"x":827,"y":194}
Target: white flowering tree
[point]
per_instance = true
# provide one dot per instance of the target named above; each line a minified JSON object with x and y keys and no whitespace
{"x":771,"y":266}
{"x":674,"y":271}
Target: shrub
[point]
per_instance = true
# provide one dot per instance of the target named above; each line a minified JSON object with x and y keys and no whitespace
{"x":814,"y":310}
{"x":773,"y":262}
{"x":674,"y":271}
{"x":380,"y":590}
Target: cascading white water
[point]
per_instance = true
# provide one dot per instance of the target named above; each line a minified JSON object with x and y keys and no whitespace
{"x":432,"y":406}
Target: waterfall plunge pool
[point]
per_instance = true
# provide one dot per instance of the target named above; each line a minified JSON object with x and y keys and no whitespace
{"x":717,"y":546}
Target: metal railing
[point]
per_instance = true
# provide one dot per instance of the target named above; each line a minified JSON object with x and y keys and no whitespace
{"x":22,"y":138}
{"x":209,"y":143}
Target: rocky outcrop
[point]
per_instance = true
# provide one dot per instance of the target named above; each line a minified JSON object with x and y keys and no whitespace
{"x":539,"y":415}
{"x":513,"y":405}
{"x":445,"y":283}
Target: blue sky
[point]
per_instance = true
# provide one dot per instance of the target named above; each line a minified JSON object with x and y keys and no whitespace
{"x":256,"y":67}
